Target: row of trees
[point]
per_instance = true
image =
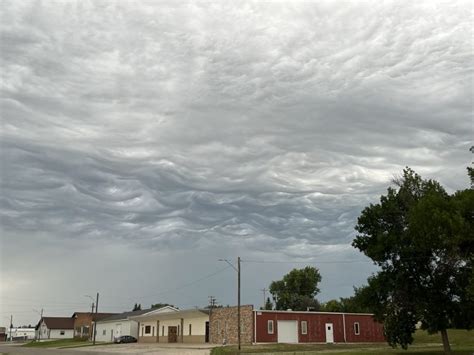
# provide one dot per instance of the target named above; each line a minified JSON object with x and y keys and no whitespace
{"x":138,"y":306}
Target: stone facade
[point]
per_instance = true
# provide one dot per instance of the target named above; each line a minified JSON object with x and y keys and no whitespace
{"x":223,"y":325}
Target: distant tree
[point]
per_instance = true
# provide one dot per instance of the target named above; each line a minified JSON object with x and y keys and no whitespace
{"x":422,"y":239}
{"x":214,"y":306}
{"x":137,"y":307}
{"x":354,"y":304}
{"x":297,"y":290}
{"x":332,"y":306}
{"x":161,"y":305}
{"x":268,"y":304}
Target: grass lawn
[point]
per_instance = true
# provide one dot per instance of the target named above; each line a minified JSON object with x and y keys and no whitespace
{"x":462,"y":343}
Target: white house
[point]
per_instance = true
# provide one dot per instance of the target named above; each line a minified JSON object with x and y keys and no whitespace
{"x":120,"y":324}
{"x":21,"y":333}
{"x":55,"y":328}
{"x":184,"y":326}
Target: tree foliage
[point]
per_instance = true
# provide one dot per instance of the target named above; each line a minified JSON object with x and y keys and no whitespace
{"x":297,"y":290}
{"x":137,"y":307}
{"x":353,"y":304}
{"x":422,"y":239}
{"x":161,"y":305}
{"x":268,"y":304}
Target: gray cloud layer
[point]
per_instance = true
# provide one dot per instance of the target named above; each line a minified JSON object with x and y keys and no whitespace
{"x":214,"y":129}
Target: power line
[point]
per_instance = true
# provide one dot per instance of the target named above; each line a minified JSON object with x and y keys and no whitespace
{"x":333,"y":261}
{"x":179,"y":287}
{"x":306,"y":262}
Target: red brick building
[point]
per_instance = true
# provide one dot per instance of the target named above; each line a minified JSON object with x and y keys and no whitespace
{"x":83,"y":323}
{"x":315,"y":327}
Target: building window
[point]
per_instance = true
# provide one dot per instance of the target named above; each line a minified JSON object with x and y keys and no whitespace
{"x":270,"y":327}
{"x":163,"y":331}
{"x":189,"y":329}
{"x":104,"y":332}
{"x":62,"y":332}
{"x":356,"y":328}
{"x":147,"y":329}
{"x":304,"y":327}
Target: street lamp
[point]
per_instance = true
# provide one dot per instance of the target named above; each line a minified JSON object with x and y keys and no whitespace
{"x":238,"y":294}
{"x":92,"y":311}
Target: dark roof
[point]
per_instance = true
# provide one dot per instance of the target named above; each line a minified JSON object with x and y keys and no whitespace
{"x":57,"y":322}
{"x":125,"y":315}
{"x":94,"y":316}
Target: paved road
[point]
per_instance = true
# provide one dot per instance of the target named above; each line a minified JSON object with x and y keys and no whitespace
{"x":148,"y":349}
{"x":18,"y":350}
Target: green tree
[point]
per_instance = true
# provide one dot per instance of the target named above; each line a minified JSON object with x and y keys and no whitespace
{"x":333,"y":306}
{"x":297,"y":290}
{"x":137,"y":307}
{"x":161,"y":305}
{"x":422,"y":239}
{"x":268,"y":304}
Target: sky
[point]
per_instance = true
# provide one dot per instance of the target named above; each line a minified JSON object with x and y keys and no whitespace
{"x":141,"y":142}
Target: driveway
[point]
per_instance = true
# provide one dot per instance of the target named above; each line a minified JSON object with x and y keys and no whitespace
{"x":115,"y":349}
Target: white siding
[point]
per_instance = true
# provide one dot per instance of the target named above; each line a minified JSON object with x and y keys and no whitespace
{"x":117,"y":328}
{"x":56,"y":334}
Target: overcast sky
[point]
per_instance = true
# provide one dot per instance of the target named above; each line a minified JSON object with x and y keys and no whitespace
{"x":143,"y":141}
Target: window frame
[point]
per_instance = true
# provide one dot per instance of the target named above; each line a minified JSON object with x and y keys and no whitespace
{"x":304,"y":329}
{"x":147,"y":329}
{"x":356,"y":328}
{"x":270,"y":326}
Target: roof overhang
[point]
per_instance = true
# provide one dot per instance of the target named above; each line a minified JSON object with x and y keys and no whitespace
{"x":187,"y":313}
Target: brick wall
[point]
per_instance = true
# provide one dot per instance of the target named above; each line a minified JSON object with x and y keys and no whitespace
{"x":223,"y":325}
{"x":81,"y":321}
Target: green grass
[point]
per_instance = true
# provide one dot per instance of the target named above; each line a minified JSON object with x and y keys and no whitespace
{"x":462,"y":343}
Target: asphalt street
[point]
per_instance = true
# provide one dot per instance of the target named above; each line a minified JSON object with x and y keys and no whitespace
{"x":116,"y":349}
{"x":15,"y":349}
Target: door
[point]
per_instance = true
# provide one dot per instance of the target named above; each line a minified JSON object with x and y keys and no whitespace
{"x":287,"y":331}
{"x":172,"y":334}
{"x":329,"y":333}
{"x":207,"y":332}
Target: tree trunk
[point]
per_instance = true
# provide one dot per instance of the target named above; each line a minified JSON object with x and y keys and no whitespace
{"x":446,"y":346}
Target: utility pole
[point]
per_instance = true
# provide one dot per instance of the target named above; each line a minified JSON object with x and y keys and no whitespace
{"x":95,"y":320}
{"x":11,"y":326}
{"x":264,"y":290}
{"x":41,"y":319}
{"x":212,"y":303}
{"x":238,"y":300}
{"x":238,"y":294}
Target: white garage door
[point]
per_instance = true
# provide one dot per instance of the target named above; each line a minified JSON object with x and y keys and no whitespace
{"x":287,"y":331}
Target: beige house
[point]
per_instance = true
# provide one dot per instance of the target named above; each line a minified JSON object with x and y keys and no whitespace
{"x":186,"y":326}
